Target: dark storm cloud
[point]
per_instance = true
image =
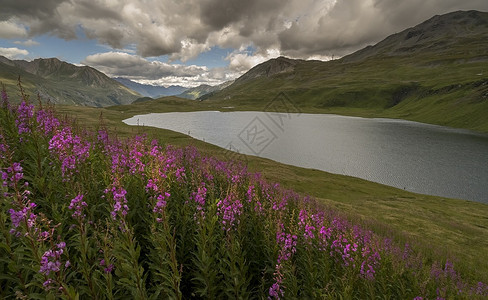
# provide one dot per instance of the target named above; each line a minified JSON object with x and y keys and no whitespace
{"x":32,"y":9}
{"x":353,"y":24}
{"x":185,"y":28}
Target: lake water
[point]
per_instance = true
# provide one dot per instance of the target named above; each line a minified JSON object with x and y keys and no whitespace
{"x":418,"y":157}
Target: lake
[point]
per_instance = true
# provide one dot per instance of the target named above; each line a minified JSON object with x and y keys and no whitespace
{"x":417,"y":157}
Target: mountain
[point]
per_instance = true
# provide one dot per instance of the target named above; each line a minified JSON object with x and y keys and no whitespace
{"x":439,"y":34}
{"x":435,"y":72}
{"x":152,"y":91}
{"x":64,"y":83}
{"x":270,"y":68}
{"x":203,"y":90}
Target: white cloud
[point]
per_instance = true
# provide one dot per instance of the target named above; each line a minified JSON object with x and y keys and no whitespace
{"x":27,"y":43}
{"x":10,"y":29}
{"x":13,"y":53}
{"x":241,"y":61}
{"x":142,"y":70}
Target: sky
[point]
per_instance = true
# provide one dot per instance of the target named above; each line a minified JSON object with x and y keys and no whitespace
{"x":193,"y":42}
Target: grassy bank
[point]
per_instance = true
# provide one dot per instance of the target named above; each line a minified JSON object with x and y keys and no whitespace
{"x":438,"y":226}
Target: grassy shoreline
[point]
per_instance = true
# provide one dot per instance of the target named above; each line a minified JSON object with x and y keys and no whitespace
{"x":440,"y":227}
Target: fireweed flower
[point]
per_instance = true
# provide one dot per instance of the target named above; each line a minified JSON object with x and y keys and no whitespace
{"x":199,"y":197}
{"x":288,"y":243}
{"x":18,"y":216}
{"x":5,"y":101}
{"x":46,"y":121}
{"x":24,"y":114}
{"x":4,"y":147}
{"x":51,"y":260}
{"x":160,"y":205}
{"x":77,"y":204}
{"x":120,"y":202}
{"x":276,"y":290}
{"x":229,"y":210}
{"x":152,"y":185}
{"x":13,"y":175}
{"x":70,"y":149}
{"x":250,"y":193}
{"x":136,"y":154}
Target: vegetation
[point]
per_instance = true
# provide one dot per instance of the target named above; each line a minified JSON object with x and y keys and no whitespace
{"x":435,"y":72}
{"x":88,"y":214}
{"x":439,"y":227}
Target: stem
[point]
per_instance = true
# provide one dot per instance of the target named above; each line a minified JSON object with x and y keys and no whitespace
{"x":171,"y":244}
{"x":86,"y":271}
{"x":11,"y":254}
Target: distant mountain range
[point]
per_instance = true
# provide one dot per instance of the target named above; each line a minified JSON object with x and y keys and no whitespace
{"x":434,"y":72}
{"x":152,"y":91}
{"x":64,"y":83}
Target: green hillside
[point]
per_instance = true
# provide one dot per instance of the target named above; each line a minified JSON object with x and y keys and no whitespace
{"x":436,"y":72}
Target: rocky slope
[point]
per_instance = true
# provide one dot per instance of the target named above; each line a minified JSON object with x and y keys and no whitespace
{"x":64,"y":83}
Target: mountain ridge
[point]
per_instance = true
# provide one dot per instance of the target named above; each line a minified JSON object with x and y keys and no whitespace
{"x":152,"y":91}
{"x":65,"y":83}
{"x":434,"y":72}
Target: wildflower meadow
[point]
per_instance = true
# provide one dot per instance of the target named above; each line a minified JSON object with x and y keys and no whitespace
{"x":87,"y":215}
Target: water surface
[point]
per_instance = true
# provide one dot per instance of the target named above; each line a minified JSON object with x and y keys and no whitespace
{"x":418,"y":157}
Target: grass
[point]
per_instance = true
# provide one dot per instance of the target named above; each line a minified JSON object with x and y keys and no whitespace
{"x":438,"y":226}
{"x":447,"y":88}
{"x":84,"y":214}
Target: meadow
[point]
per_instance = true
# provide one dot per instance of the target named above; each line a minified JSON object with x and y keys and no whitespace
{"x":85,"y":212}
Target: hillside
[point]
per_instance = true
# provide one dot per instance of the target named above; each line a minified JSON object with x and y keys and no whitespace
{"x":92,"y":215}
{"x":152,"y":91}
{"x":435,"y":72}
{"x":203,"y":90}
{"x":64,"y":83}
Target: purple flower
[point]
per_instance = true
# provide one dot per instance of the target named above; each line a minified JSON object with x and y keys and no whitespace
{"x":288,"y":243}
{"x":250,"y":193}
{"x":275,"y":291}
{"x":77,"y":204}
{"x":5,"y":102}
{"x":120,"y":202}
{"x":13,"y":175}
{"x":51,"y":260}
{"x":70,"y":150}
{"x":200,"y":195}
{"x":229,"y":210}
{"x":46,"y":121}
{"x":18,"y":216}
{"x":24,"y":114}
{"x":109,"y":269}
{"x":47,"y":284}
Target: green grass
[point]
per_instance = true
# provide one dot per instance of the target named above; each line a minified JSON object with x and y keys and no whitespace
{"x":447,"y":88}
{"x":440,"y":227}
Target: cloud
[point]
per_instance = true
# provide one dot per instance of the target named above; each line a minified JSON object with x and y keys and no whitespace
{"x":185,"y":28}
{"x":13,"y":53}
{"x":241,"y":61}
{"x":27,"y":43}
{"x":120,"y":64}
{"x":134,"y":66}
{"x":10,"y":29}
